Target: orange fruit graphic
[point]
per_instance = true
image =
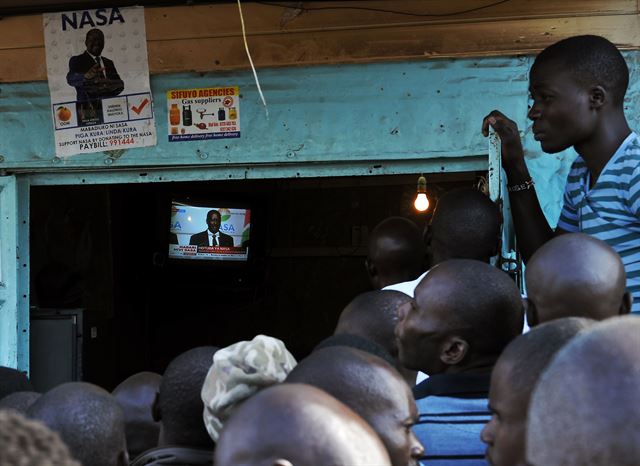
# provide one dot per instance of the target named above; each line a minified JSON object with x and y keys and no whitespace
{"x":64,"y":114}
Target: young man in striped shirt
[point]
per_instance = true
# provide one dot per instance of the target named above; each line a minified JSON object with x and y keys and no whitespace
{"x":578,"y":87}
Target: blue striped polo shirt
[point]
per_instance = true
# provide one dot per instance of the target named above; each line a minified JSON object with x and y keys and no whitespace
{"x":609,"y":211}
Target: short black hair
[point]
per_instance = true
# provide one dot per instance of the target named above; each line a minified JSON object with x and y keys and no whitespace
{"x":365,"y":383}
{"x":481,"y":298}
{"x":88,"y":419}
{"x":591,"y":60}
{"x":179,"y":399}
{"x":529,"y":354}
{"x":12,"y":380}
{"x":466,"y":225}
{"x":372,"y":315}
{"x":94,"y":31}
{"x":213,"y":211}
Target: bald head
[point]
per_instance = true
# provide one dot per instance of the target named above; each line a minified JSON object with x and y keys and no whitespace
{"x":465,"y":225}
{"x":372,"y":388}
{"x":19,"y":401}
{"x":576,"y":275}
{"x":372,"y":315}
{"x":297,"y":425}
{"x":512,"y":381}
{"x":88,"y":419}
{"x":464,"y":314}
{"x":396,"y":252}
{"x":136,"y":396}
{"x":586,"y":406}
{"x":179,"y":406}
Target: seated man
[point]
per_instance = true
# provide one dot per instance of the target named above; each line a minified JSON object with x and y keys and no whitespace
{"x":575,"y":275}
{"x":465,"y":225}
{"x":178,"y":407}
{"x":89,"y":421}
{"x":371,"y":388}
{"x":28,"y":442}
{"x":297,"y":425}
{"x":586,"y":405}
{"x":367,"y":323}
{"x":464,"y":314}
{"x":512,"y":382}
{"x":396,"y":252}
{"x":136,"y":395}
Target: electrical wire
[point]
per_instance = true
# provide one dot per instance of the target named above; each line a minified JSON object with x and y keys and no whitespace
{"x":253,"y":68}
{"x":382,"y":10}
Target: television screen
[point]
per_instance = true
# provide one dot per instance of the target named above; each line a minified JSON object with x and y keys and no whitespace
{"x":209,"y":233}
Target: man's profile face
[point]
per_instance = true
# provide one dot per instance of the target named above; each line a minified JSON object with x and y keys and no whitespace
{"x":560,"y":110}
{"x":95,"y":42}
{"x":393,"y":421}
{"x":213,"y":221}
{"x":419,"y":334}
{"x":504,"y":434}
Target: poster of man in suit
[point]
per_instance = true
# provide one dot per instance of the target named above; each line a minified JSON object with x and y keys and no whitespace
{"x":98,"y":75}
{"x":94,"y":77}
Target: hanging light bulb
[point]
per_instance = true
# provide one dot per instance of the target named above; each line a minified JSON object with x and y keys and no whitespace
{"x":422,"y":202}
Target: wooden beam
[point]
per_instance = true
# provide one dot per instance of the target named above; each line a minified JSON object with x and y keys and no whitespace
{"x":208,"y":38}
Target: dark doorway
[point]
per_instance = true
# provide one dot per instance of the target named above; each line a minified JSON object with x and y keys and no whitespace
{"x":103,"y":248}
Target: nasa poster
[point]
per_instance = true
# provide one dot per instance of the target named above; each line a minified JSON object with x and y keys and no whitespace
{"x":98,"y":76}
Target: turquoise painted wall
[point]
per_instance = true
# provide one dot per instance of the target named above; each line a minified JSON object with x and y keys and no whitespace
{"x":387,"y":113}
{"x":401,"y":117}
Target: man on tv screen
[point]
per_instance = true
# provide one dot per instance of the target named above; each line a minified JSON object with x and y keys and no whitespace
{"x":212,"y":236}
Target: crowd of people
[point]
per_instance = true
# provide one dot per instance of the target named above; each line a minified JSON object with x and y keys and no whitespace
{"x":436,"y":365}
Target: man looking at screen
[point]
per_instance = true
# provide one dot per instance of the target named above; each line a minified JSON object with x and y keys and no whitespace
{"x":212,"y":236}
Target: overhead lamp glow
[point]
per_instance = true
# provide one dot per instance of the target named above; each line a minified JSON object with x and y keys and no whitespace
{"x":422,"y":202}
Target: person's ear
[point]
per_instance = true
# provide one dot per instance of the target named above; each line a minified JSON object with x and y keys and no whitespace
{"x":597,"y":97}
{"x":453,"y":350}
{"x":530,"y":312}
{"x":156,"y":412}
{"x":626,"y":304}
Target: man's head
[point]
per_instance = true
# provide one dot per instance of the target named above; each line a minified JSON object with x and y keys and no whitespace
{"x":292,"y":424}
{"x":370,"y":387}
{"x":465,"y":225}
{"x":575,"y":275}
{"x":396,"y":252}
{"x":88,"y":419}
{"x":136,"y":395}
{"x":512,"y":381}
{"x":178,"y":405}
{"x":12,"y":380}
{"x":372,"y":315}
{"x":586,"y":405}
{"x":575,"y":83}
{"x":214,"y":219}
{"x":28,"y":442}
{"x":463,"y":315}
{"x":19,"y":401}
{"x":94,"y":41}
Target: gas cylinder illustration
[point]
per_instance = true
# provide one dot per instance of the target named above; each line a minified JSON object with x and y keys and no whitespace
{"x":186,"y":115}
